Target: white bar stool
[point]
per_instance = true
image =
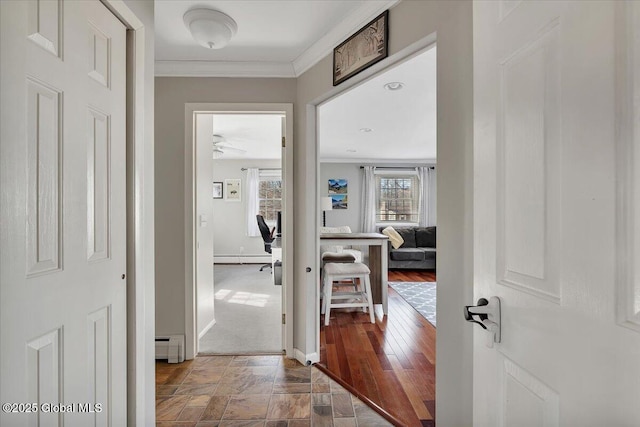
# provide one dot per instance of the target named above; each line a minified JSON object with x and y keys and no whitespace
{"x":343,"y":271}
{"x":339,"y":257}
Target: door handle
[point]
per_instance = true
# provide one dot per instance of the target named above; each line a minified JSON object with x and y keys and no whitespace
{"x":487,"y":315}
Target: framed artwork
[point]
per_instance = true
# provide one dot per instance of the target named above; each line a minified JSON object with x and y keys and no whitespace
{"x":217,"y":190}
{"x":338,"y":186}
{"x":363,"y":49}
{"x":233,"y":193}
{"x":339,"y":201}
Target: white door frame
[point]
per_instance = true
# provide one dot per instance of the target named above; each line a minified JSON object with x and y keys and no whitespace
{"x":417,"y":48}
{"x":191,"y":339}
{"x":454,"y":376}
{"x":312,"y":135}
{"x":140,"y":238}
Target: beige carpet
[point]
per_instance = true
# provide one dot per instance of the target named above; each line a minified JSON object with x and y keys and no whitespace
{"x":247,"y":311}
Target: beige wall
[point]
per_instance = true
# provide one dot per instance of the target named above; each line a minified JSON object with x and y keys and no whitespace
{"x":352,"y":173}
{"x":230,"y":224}
{"x":172,"y":93}
{"x":409,"y":22}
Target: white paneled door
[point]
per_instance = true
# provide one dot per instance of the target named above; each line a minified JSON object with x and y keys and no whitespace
{"x":555,"y":132}
{"x":63,"y":260}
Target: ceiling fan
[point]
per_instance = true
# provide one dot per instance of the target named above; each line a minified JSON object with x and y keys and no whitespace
{"x":221,"y":146}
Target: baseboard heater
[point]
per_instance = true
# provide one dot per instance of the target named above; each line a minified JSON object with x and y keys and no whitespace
{"x":170,"y":347}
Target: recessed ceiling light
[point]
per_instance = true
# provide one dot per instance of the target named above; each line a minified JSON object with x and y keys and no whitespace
{"x":351,"y":150}
{"x":394,"y":86}
{"x":365,"y":129}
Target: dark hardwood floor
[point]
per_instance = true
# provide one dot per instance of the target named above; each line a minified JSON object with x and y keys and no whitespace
{"x":391,"y":362}
{"x":412,"y":275}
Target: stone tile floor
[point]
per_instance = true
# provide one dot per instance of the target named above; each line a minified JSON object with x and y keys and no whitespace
{"x":248,"y":391}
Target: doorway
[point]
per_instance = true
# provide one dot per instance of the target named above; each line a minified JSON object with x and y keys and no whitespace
{"x":247,"y":283}
{"x":204,"y":213}
{"x":386,"y":125}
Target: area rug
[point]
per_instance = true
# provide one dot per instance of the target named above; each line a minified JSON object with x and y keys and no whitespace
{"x":420,"y":295}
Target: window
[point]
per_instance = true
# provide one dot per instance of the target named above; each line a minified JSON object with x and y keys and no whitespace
{"x":270,"y":197}
{"x":397,"y":198}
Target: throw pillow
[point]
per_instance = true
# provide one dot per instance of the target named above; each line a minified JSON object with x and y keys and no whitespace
{"x":395,"y":239}
{"x":408,"y":235}
{"x":426,"y":237}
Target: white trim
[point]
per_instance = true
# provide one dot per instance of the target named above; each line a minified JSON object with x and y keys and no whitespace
{"x":305,"y":359}
{"x":140,"y":223}
{"x":397,"y":224}
{"x":206,"y":328}
{"x":394,"y":60}
{"x":223,"y":69}
{"x":126,"y":15}
{"x":317,"y":51}
{"x":287,"y":220}
{"x":627,"y":138}
{"x":395,"y":172}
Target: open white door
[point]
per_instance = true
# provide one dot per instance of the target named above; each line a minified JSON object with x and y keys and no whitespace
{"x":194,"y":227}
{"x":287,"y":237}
{"x":203,"y":230}
{"x":545,"y":101}
{"x":63,"y":245}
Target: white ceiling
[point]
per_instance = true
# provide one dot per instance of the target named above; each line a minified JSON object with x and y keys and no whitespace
{"x":283,"y":38}
{"x":275,"y":38}
{"x":258,"y":134}
{"x":402,"y":123}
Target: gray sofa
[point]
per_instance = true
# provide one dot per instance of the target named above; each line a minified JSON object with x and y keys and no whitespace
{"x":418,"y":250}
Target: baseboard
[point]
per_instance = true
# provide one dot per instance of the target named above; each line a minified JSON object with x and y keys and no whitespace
{"x":305,"y":359}
{"x":170,"y":347}
{"x":245,"y":259}
{"x":206,"y":328}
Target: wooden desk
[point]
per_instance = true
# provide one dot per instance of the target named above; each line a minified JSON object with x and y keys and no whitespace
{"x":378,"y":259}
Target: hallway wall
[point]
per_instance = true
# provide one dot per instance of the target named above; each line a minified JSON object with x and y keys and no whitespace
{"x":411,"y":22}
{"x":172,"y":93}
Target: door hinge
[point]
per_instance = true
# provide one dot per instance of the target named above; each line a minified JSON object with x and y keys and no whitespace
{"x":283,"y":142}
{"x":284,"y":318}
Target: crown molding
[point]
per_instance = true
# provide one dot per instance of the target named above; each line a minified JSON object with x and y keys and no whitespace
{"x":321,"y":48}
{"x":339,"y":33}
{"x":223,"y":69}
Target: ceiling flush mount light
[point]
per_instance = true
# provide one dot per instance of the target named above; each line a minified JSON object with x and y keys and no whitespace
{"x":366,"y":130}
{"x":394,"y":86}
{"x":210,"y":28}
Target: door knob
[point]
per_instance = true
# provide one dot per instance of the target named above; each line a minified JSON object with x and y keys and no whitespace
{"x":487,"y":315}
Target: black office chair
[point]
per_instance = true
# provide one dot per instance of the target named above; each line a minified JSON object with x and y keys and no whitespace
{"x":267,"y":236}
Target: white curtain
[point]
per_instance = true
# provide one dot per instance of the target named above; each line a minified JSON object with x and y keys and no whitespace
{"x":368,"y":200}
{"x":253,"y":201}
{"x":433,"y":197}
{"x":428,"y":196}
